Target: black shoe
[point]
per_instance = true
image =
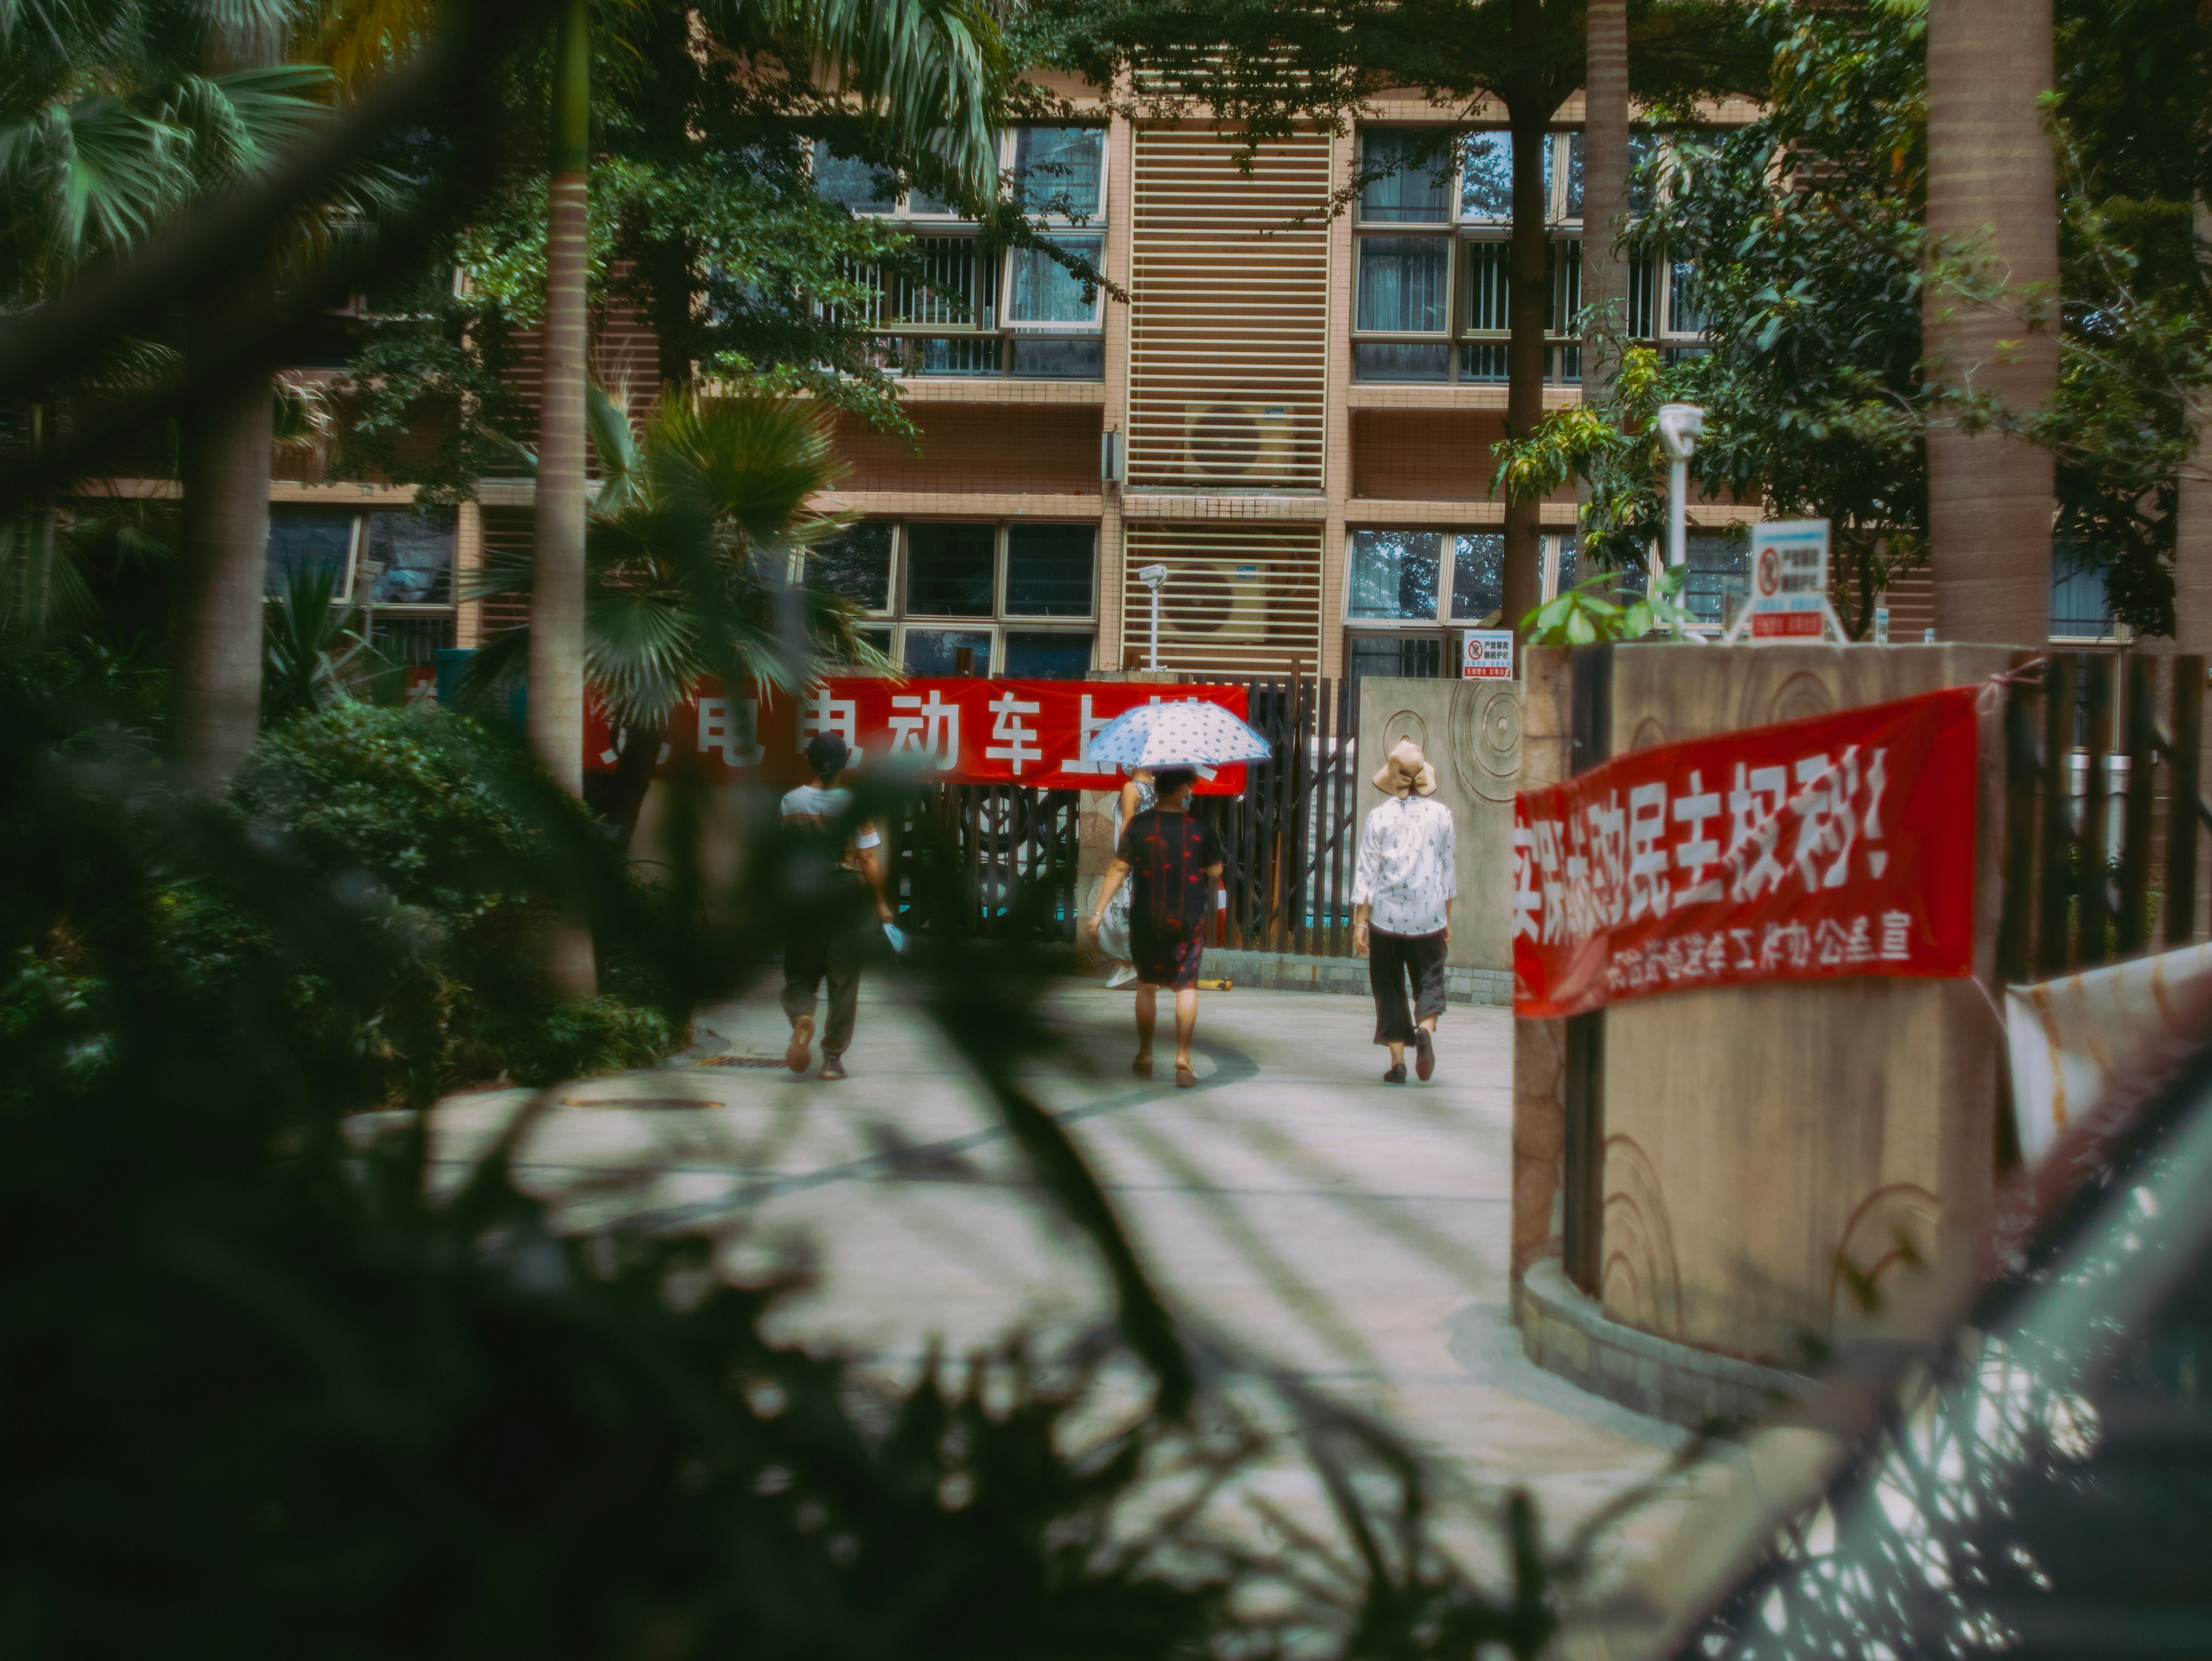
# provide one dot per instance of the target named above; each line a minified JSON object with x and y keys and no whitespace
{"x":1424,"y":1054}
{"x":1395,"y":1075}
{"x":833,"y":1066}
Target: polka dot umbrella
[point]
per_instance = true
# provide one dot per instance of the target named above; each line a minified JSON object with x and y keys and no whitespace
{"x":1185,"y":734}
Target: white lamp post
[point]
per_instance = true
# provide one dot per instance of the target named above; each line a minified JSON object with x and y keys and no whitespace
{"x":1681,"y":426}
{"x":1152,"y":576}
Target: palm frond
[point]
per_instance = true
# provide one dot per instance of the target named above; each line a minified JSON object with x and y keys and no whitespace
{"x":928,"y":71}
{"x":753,"y":464}
{"x":361,"y":39}
{"x":607,"y":421}
{"x":640,"y":653}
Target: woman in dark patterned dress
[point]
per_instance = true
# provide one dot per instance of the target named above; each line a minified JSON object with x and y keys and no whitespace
{"x":1173,"y":864}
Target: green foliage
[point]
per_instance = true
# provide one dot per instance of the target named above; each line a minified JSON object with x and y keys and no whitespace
{"x":312,"y":654}
{"x":704,"y":213}
{"x":1812,"y":278}
{"x":1813,"y":275}
{"x":1602,"y":607}
{"x":403,"y":814}
{"x":1612,"y":447}
{"x":701,"y":516}
{"x":333,"y":1388}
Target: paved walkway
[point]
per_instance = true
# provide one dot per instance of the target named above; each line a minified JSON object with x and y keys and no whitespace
{"x":1353,"y":1232}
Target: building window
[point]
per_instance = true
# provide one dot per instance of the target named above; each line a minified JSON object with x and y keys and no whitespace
{"x":1433,"y":290}
{"x":1563,"y":566}
{"x":395,"y":565}
{"x":1060,"y":171}
{"x":1717,"y":578}
{"x":1403,"y":657}
{"x":1407,"y":591}
{"x":1020,"y":599}
{"x":2080,"y":609}
{"x":982,"y":310}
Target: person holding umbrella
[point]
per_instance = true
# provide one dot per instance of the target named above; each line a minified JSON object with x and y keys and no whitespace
{"x":1172,"y":861}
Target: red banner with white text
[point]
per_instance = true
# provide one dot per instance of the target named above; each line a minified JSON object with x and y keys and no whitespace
{"x":942,"y":732}
{"x":1839,"y":846}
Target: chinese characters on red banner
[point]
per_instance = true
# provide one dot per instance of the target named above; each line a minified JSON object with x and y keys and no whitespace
{"x":1841,"y":845}
{"x":952,"y":732}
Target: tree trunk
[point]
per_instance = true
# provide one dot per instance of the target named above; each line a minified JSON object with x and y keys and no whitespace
{"x":215,"y":694}
{"x":1605,"y":193}
{"x":2192,"y":548}
{"x":1992,"y":198}
{"x":634,"y":765}
{"x":223,"y":451}
{"x":556,"y":600}
{"x":667,"y":259}
{"x":2192,"y":527}
{"x":1528,"y":293}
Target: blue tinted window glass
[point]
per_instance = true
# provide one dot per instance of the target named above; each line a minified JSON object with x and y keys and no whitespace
{"x":1048,"y":571}
{"x":309,"y":538}
{"x":1031,"y":656}
{"x":1395,"y":573}
{"x":949,"y":570}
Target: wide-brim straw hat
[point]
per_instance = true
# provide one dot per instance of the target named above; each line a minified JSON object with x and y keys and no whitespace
{"x":1425,"y":772}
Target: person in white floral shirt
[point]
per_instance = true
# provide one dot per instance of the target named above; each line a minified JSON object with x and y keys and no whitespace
{"x":1401,"y":894}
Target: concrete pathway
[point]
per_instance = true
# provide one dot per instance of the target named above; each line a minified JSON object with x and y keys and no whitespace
{"x":1351,"y":1232}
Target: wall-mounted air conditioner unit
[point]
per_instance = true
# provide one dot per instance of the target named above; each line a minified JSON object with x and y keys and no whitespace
{"x":1236,"y":443}
{"x":1225,"y":601}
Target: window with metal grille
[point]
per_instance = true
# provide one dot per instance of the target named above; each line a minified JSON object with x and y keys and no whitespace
{"x":1410,"y":253}
{"x":973,"y":310}
{"x":1020,"y":599}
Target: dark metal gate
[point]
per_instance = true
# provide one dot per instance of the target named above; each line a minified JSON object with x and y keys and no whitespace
{"x":990,"y":859}
{"x":2100,"y":838}
{"x":995,"y":859}
{"x":1290,"y":839}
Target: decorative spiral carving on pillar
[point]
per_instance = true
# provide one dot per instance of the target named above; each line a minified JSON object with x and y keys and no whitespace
{"x":1641,"y":1281}
{"x":1407,"y":724}
{"x":1486,"y":739}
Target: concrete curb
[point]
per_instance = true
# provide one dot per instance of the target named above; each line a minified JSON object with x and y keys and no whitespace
{"x":1276,"y":971}
{"x":1567,"y":1332}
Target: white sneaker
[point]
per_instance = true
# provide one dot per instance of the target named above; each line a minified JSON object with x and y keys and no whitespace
{"x":1122,"y":974}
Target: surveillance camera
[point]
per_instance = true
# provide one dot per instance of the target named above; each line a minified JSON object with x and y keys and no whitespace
{"x":1680,"y":425}
{"x":1152,"y":576}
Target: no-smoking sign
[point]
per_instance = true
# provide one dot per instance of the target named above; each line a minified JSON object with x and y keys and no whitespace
{"x":1789,"y":579}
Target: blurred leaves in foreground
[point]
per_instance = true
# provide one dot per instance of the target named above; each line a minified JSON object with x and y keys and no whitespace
{"x":278,"y":1394}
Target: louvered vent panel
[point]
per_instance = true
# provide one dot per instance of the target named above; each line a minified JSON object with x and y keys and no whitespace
{"x":1240,"y":598}
{"x":508,"y":530}
{"x":1228,"y":314}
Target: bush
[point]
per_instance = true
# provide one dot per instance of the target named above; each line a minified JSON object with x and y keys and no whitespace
{"x":422,"y":821}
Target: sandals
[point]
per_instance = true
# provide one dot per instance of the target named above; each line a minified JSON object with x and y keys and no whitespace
{"x":798,"y":1054}
{"x":1185,"y":1078}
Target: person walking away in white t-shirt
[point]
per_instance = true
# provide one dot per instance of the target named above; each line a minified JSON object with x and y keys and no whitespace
{"x":830,"y":939}
{"x":1401,"y":894}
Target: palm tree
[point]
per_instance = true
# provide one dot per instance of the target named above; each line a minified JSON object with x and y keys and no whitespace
{"x":1992,"y":203}
{"x":556,"y":600}
{"x":114,"y":122}
{"x":1604,"y":193}
{"x":700,"y":524}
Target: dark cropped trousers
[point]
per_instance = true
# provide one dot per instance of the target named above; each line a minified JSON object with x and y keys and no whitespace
{"x":1393,"y":962}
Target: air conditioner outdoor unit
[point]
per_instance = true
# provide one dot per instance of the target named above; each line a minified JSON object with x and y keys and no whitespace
{"x":1233,"y":443}
{"x":1224,"y":601}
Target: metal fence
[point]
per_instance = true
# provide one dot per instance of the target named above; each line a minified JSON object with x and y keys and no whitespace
{"x":979,"y":859}
{"x":990,"y":859}
{"x":1291,"y":838}
{"x":2100,"y":836}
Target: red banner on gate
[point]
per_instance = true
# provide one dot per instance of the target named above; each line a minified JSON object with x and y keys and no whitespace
{"x":1841,"y":845}
{"x":945,"y":732}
